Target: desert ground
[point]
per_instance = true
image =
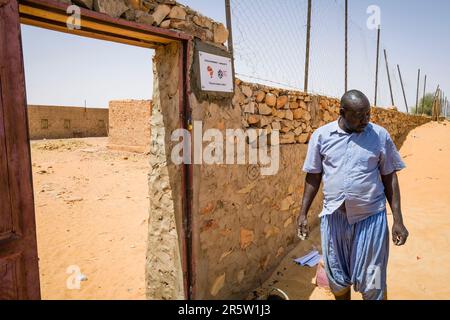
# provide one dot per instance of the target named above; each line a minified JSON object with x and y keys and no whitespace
{"x":91,"y":214}
{"x":421,"y":268}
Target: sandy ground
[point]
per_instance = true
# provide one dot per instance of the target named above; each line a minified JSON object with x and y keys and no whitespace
{"x":91,"y":211}
{"x":421,"y":268}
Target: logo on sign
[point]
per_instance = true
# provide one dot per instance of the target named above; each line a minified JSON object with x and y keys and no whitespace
{"x":210,"y":71}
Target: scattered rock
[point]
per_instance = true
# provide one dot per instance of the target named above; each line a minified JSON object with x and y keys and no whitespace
{"x":113,"y":8}
{"x":161,"y":12}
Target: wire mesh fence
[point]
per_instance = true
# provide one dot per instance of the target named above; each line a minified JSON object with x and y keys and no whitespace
{"x":269,"y":39}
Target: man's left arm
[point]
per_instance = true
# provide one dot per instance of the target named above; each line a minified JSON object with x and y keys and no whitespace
{"x":392,"y":190}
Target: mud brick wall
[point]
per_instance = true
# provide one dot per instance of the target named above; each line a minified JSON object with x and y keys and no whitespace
{"x":54,"y":122}
{"x":129,"y":125}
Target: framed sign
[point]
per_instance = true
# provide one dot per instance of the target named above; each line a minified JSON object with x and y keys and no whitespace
{"x":212,"y":73}
{"x":216,"y":72}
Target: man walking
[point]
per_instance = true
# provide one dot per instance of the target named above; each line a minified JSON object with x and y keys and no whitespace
{"x":357,"y":162}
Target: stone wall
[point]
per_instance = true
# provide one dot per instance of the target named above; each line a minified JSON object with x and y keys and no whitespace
{"x":129,"y":125}
{"x":167,"y":14}
{"x":54,"y":122}
{"x":246,"y":222}
{"x":164,"y":272}
{"x":297,"y":114}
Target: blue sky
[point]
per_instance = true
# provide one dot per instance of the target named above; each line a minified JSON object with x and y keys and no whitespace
{"x":269,"y":42}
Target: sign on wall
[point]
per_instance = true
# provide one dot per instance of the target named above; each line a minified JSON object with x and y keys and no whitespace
{"x":216,"y":72}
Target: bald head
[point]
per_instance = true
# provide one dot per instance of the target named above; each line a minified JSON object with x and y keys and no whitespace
{"x":355,"y":111}
{"x":354,"y":100}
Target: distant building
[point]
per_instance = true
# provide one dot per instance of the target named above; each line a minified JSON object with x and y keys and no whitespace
{"x":57,"y":122}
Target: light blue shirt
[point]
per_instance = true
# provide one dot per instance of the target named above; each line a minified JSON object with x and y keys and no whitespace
{"x":351,"y":165}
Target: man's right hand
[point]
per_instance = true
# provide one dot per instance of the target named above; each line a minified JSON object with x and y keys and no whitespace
{"x":302,"y":227}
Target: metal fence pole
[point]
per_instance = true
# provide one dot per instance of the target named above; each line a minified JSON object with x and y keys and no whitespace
{"x":403,"y":88}
{"x":389,"y":78}
{"x":417,"y":94}
{"x":424,"y":93}
{"x":308,"y":41}
{"x":346,"y":45}
{"x":377,"y":65}
{"x":230,"y":32}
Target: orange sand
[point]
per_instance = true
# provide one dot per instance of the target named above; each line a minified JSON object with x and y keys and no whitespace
{"x":91,"y":212}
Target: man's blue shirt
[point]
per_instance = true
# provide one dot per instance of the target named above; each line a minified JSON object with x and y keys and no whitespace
{"x":352,"y":165}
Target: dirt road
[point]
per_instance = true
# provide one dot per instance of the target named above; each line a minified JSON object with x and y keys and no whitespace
{"x":91,"y":212}
{"x":420,"y":269}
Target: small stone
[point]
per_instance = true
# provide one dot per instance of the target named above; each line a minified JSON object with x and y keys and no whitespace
{"x":253,"y":119}
{"x":220,"y":33}
{"x":298,"y":131}
{"x":113,"y":8}
{"x":307,"y":116}
{"x":276,"y":125}
{"x":271,"y":100}
{"x":145,"y":18}
{"x":217,"y":285}
{"x":202,"y":21}
{"x":303,"y":138}
{"x":280,"y":114}
{"x":161,"y":13}
{"x":225,"y":254}
{"x":130,"y":15}
{"x":288,"y":138}
{"x":247,"y":91}
{"x":265,"y":121}
{"x":299,"y":113}
{"x":207,"y":209}
{"x":264,"y":109}
{"x":289,"y":115}
{"x":246,"y":238}
{"x":327,"y":117}
{"x":177,"y":13}
{"x":291,"y":189}
{"x":165,"y":24}
{"x":293,"y":105}
{"x":287,"y":202}
{"x":260,"y":95}
{"x":280,"y":252}
{"x":270,"y":231}
{"x":135,"y":4}
{"x":287,"y":222}
{"x":281,"y":101}
{"x":249,"y":108}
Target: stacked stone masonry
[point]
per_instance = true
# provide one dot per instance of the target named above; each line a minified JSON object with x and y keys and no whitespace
{"x":167,"y":14}
{"x":296,"y":114}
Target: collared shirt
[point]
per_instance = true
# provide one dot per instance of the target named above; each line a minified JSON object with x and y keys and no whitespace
{"x":352,"y":165}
